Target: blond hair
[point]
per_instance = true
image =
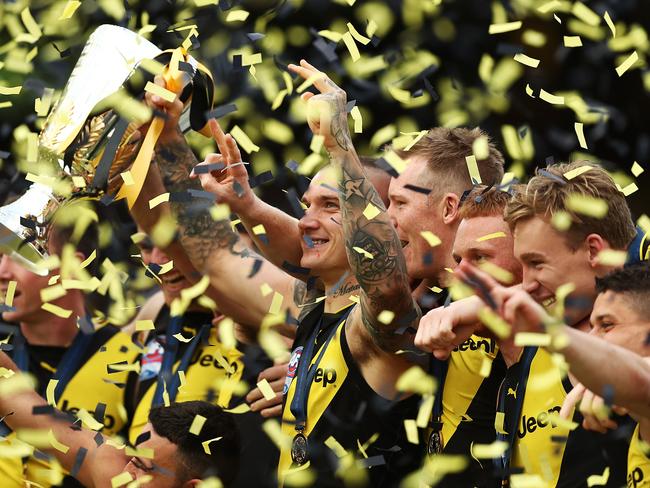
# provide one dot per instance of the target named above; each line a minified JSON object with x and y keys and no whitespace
{"x":445,"y":150}
{"x":484,"y":201}
{"x":547,"y":192}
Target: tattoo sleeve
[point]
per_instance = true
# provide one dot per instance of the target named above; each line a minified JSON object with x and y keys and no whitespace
{"x":374,"y":250}
{"x":200,"y":234}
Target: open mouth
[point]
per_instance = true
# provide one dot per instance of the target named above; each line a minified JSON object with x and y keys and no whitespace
{"x":314,"y":243}
{"x":172,"y":280}
{"x":547,"y":302}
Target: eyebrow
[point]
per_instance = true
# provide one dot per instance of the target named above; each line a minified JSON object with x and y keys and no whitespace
{"x":531,"y":255}
{"x":143,"y":463}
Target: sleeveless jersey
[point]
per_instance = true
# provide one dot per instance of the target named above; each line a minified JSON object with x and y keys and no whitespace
{"x":212,"y":374}
{"x":469,"y":405}
{"x":344,"y":412}
{"x":638,"y":462}
{"x":96,"y":387}
{"x":558,"y":456}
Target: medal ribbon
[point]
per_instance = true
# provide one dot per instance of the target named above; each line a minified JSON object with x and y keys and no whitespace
{"x":503,"y":463}
{"x":169,"y":358}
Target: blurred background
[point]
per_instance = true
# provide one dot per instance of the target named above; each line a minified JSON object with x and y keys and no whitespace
{"x":407,"y":65}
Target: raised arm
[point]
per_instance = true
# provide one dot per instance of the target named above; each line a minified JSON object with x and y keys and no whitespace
{"x":373,"y":248}
{"x":236,"y":273}
{"x":627,"y":374}
{"x":101,"y":462}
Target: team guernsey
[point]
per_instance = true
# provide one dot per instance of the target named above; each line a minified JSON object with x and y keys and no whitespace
{"x":546,"y":449}
{"x":475,"y":371}
{"x":638,"y":462}
{"x":93,"y":371}
{"x":341,"y":412}
{"x":201,"y":367}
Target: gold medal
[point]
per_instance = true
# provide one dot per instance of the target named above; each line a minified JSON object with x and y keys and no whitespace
{"x":434,"y":446}
{"x":299,"y":449}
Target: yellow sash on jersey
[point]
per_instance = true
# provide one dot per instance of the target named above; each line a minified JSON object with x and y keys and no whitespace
{"x":322,"y":391}
{"x":638,"y":462}
{"x":534,"y":451}
{"x":88,"y":387}
{"x":206,"y":373}
{"x":463,"y":381}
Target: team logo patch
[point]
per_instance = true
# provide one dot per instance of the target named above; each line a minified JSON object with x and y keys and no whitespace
{"x":293,"y":366}
{"x":151,"y":361}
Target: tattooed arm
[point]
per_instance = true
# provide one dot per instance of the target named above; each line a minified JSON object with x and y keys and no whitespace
{"x":373,"y":248}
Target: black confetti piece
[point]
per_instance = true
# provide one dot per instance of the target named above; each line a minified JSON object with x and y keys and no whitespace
{"x":208,"y":168}
{"x":292,"y":268}
{"x":260,"y":179}
{"x":257,"y":265}
{"x":378,"y":460}
{"x":308,"y":241}
{"x":294,"y":202}
{"x":418,"y":189}
{"x":79,"y":459}
{"x":350,"y":105}
{"x":255,"y":36}
{"x":221,"y":111}
{"x":292,"y":165}
{"x":548,"y":174}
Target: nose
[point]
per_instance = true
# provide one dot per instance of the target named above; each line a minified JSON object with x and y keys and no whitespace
{"x":158,"y":256}
{"x":529,"y":282}
{"x":5,"y":268}
{"x":308,"y":222}
{"x":391,"y":214}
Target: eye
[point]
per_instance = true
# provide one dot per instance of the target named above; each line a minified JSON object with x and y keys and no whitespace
{"x":332,"y":205}
{"x":606,"y":325}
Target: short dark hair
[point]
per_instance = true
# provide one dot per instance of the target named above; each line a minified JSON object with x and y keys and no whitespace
{"x":633,"y":281}
{"x":445,"y":150}
{"x":174,"y":423}
{"x":483,"y":201}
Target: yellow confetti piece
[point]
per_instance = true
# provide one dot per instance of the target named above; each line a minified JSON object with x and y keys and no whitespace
{"x":78,"y":181}
{"x":52,"y":293}
{"x":584,"y":13}
{"x":494,"y":322}
{"x":499,"y":422}
{"x":629,"y":189}
{"x":415,"y":380}
{"x":316,"y":143}
{"x":579,"y":128}
{"x":625,"y":65}
{"x":309,"y":82}
{"x":265,"y":288}
{"x":206,"y":444}
{"x":141,"y":325}
{"x":49,"y":392}
{"x":587,"y":205}
{"x":569,"y":175}
{"x":160,"y":91}
{"x":11,"y":290}
{"x":396,"y":162}
{"x":572,"y":41}
{"x":6,"y":104}
{"x":56,"y":310}
{"x":386,"y":316}
{"x":10,"y":90}
{"x":30,"y":24}
{"x":486,"y":367}
{"x":70,"y":8}
{"x":32,"y":147}
{"x":243,"y":140}
{"x":251,"y":59}
{"x":526,"y":60}
{"x":239,"y":409}
{"x":54,"y":442}
{"x":610,"y":24}
{"x":504,"y":27}
{"x":197,"y":424}
{"x":351,"y":45}
{"x":488,"y":451}
{"x":424,"y":412}
{"x":179,"y":337}
{"x":331,"y":35}
{"x":550,"y":98}
{"x":411,"y":429}
{"x":355,"y":34}
{"x":88,"y":420}
{"x":472,"y":167}
{"x":637,"y":169}
{"x":154,"y":202}
{"x":237,"y":16}
{"x":309,"y":164}
{"x":121,"y":479}
{"x":365,"y":253}
{"x":370,"y":212}
{"x":612,"y":257}
{"x":276,"y":303}
{"x":432,"y":239}
{"x":266,"y":389}
{"x":561,"y":220}
{"x":529,"y":91}
{"x":494,"y":235}
{"x":480,"y":148}
{"x":598,"y":479}
{"x":358,"y":120}
{"x":523,"y":339}
{"x":127,"y":178}
{"x":335,"y":446}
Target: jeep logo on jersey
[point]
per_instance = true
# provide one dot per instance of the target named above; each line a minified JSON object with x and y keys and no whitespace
{"x":109,"y":420}
{"x":327,"y":376}
{"x":530,"y":424}
{"x":293,"y":367}
{"x":635,"y":478}
{"x":488,"y":345}
{"x":206,"y":360}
